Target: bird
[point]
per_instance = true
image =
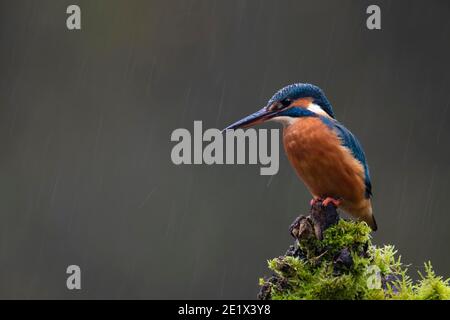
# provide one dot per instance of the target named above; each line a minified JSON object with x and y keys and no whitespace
{"x":326,"y":156}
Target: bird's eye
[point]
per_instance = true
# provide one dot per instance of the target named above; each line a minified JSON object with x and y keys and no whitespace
{"x":279,"y":105}
{"x":286,"y":102}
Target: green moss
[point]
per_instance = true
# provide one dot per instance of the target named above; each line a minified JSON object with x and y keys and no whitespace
{"x":432,"y":287}
{"x":345,"y":265}
{"x":346,"y":234}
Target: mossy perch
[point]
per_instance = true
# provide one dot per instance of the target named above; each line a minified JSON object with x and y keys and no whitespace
{"x":334,"y":258}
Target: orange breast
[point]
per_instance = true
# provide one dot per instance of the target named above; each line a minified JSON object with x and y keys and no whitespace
{"x":327,"y":168}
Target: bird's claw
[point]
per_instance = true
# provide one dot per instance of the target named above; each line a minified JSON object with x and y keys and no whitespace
{"x":335,"y":202}
{"x":314,"y":201}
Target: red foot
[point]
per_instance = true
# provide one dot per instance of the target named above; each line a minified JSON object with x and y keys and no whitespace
{"x":335,"y":202}
{"x":314,"y":201}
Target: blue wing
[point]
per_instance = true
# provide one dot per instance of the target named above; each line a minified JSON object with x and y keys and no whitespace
{"x":352,"y":143}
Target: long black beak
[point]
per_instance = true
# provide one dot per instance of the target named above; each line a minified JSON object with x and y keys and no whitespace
{"x":255,"y":118}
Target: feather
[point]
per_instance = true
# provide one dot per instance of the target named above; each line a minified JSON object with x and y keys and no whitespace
{"x":349,"y":141}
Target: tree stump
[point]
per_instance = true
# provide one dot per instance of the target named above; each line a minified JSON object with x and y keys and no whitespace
{"x":334,"y":258}
{"x":309,"y":227}
{"x":319,"y":219}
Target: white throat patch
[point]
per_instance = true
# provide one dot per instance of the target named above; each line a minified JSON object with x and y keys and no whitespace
{"x":317,"y":110}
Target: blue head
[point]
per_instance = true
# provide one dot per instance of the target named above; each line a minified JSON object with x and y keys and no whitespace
{"x":295,"y":100}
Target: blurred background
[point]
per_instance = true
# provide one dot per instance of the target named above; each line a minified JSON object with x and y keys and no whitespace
{"x":86,"y":117}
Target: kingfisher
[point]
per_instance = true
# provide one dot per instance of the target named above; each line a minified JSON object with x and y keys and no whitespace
{"x":326,"y":156}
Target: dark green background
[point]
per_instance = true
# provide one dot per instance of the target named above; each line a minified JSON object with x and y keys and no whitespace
{"x":86,"y":117}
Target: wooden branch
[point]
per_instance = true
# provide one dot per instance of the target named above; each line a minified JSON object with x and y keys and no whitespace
{"x":319,"y":219}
